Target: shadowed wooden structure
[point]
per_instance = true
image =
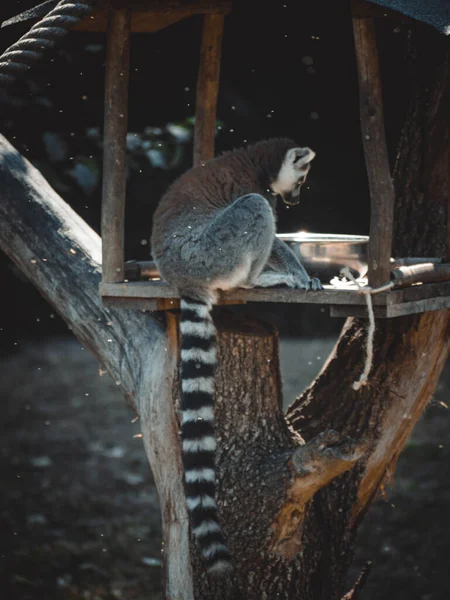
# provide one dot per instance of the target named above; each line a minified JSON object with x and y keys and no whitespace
{"x":120,"y":18}
{"x":117,"y":290}
{"x":293,"y":485}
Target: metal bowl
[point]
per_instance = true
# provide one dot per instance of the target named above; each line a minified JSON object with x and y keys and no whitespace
{"x":324,"y":255}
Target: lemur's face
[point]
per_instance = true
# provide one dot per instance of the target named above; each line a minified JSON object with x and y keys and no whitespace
{"x":292,"y":174}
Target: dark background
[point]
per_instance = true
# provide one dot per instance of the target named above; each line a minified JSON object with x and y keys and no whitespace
{"x":286,"y":71}
{"x":75,"y":510}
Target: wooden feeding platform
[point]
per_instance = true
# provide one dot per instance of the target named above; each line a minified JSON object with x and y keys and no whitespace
{"x":157,"y":295}
{"x":413,"y":294}
{"x":119,"y":19}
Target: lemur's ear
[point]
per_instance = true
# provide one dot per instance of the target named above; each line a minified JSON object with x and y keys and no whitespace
{"x":302,"y":156}
{"x":293,"y":172}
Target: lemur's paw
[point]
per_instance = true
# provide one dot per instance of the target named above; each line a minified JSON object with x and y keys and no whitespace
{"x":315,"y":284}
{"x":305,"y":283}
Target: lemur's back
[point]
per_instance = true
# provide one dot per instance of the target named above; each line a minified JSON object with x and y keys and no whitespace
{"x":200,"y":192}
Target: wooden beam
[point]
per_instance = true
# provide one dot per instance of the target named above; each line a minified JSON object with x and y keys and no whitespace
{"x":207,"y":88}
{"x":114,"y":150}
{"x":329,"y":295}
{"x":157,"y":295}
{"x":392,"y":311}
{"x":420,"y":273}
{"x":364,"y":9}
{"x":343,"y":303}
{"x":375,"y":151}
{"x":159,"y":290}
{"x":151,"y":16}
{"x":136,"y":270}
{"x":141,"y":21}
{"x":137,"y":304}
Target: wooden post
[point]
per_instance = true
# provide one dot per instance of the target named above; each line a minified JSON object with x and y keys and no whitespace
{"x":375,"y":151}
{"x":114,"y":152}
{"x":207,"y":88}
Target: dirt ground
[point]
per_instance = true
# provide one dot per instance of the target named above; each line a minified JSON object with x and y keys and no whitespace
{"x":79,"y":514}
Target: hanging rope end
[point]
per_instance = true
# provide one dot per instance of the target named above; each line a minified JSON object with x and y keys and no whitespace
{"x":362,"y":382}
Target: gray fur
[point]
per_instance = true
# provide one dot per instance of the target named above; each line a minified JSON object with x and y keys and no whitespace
{"x":215,"y":227}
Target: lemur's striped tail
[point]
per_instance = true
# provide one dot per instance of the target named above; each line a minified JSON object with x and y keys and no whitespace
{"x":198,"y":362}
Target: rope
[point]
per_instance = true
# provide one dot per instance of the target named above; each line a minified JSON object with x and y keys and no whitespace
{"x":367,"y":291}
{"x":18,"y":58}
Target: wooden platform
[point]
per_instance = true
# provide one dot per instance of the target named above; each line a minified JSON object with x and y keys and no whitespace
{"x":157,"y":295}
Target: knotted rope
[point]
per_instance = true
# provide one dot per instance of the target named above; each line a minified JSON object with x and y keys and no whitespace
{"x":367,"y":291}
{"x":18,"y":58}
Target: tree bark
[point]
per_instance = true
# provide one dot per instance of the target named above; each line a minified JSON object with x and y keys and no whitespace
{"x":61,"y":255}
{"x":292,"y":487}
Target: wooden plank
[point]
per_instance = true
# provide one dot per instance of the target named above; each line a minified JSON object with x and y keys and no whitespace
{"x":393,"y":310}
{"x":138,"y":289}
{"x":141,"y":21}
{"x":160,"y":289}
{"x":418,"y":292}
{"x":375,"y":151}
{"x":173,"y":333}
{"x":114,"y":152}
{"x":157,"y":304}
{"x":130,"y":303}
{"x":360,"y":312}
{"x":329,"y":295}
{"x":400,"y":302}
{"x":140,"y":269}
{"x":422,"y":272}
{"x":408,"y":261}
{"x":167,"y":303}
{"x":149,"y":17}
{"x":208,"y":88}
{"x":157,"y":295}
{"x":418,"y":306}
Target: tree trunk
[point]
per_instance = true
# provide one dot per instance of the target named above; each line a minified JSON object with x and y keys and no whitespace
{"x":287,"y":544}
{"x":290,"y":508}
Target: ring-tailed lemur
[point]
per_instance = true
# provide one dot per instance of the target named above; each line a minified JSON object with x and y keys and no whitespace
{"x":215,"y":229}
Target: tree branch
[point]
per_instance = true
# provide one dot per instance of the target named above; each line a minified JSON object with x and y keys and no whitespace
{"x":410,"y":352}
{"x":61,"y":256}
{"x":313,"y":466}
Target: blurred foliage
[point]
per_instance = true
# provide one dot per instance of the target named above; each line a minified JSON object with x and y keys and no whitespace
{"x":75,"y":158}
{"x":164,"y":148}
